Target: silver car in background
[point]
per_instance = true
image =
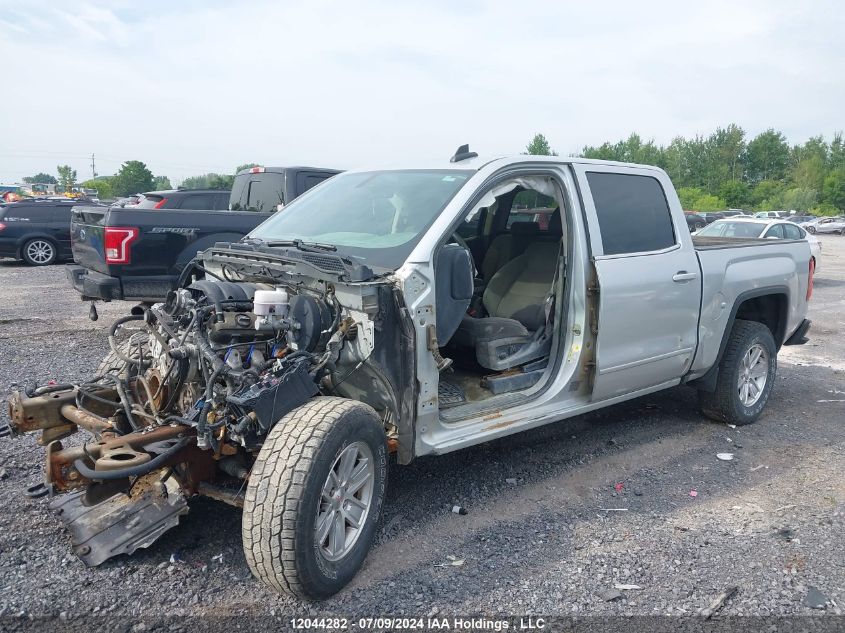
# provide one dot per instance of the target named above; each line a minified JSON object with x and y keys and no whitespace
{"x":827,"y":225}
{"x":767,"y":228}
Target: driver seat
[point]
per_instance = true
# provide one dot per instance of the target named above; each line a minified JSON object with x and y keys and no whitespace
{"x":515,"y":299}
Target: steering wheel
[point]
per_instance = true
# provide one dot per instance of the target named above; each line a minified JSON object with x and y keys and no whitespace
{"x":457,"y":239}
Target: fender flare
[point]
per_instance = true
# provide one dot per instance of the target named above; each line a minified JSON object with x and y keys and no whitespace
{"x":707,"y":382}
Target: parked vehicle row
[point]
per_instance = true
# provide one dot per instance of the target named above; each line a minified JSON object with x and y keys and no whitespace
{"x":137,"y":252}
{"x":285,"y":368}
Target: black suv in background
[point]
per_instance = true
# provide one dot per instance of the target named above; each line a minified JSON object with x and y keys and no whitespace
{"x":196,"y":199}
{"x":36,"y":231}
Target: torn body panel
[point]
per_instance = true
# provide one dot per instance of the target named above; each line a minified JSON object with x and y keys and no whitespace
{"x":122,"y":522}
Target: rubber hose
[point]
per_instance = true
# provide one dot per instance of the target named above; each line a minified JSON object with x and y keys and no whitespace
{"x":132,"y":471}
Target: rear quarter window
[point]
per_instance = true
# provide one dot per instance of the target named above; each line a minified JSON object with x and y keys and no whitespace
{"x":198,"y":202}
{"x":793,"y":232}
{"x":633,"y":213}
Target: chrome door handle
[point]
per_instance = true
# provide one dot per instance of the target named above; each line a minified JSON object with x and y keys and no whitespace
{"x":683,"y":275}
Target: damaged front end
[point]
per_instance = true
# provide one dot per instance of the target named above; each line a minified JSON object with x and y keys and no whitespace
{"x":192,"y":386}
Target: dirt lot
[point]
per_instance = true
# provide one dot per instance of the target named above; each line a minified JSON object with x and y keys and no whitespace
{"x":633,"y":495}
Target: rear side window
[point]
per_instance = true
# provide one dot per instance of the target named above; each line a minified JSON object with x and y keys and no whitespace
{"x":775,"y":231}
{"x":221,"y":201}
{"x":793,"y":232}
{"x":62,"y":213}
{"x":633,"y":213}
{"x":149,"y":201}
{"x":312,"y":181}
{"x":258,"y":192}
{"x":198,"y":202}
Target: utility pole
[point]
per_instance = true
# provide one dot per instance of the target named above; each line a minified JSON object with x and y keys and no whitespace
{"x":93,"y":168}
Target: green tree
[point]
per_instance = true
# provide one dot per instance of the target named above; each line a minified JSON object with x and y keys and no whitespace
{"x":766,"y":190}
{"x":67,"y":176}
{"x":102,"y":185}
{"x":798,"y":199}
{"x":213,"y":180}
{"x":41,"y":178}
{"x":133,"y":177}
{"x":161,"y":183}
{"x":240,"y":168}
{"x":689,"y":196}
{"x":836,"y":152}
{"x":834,"y":189}
{"x":767,"y":157}
{"x":539,"y":146}
{"x":196,"y":182}
{"x":727,"y":149}
{"x":709,"y":202}
{"x":735,"y":193}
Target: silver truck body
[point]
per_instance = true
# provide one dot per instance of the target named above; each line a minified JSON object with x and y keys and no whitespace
{"x":635,"y":323}
{"x":354,"y":324}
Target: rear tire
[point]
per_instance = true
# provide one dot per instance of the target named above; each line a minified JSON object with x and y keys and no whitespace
{"x":292,"y":488}
{"x":39,"y":252}
{"x":746,"y":375}
{"x":811,"y":229}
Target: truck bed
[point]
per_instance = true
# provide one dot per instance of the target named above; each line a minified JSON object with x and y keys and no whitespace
{"x":741,"y":268}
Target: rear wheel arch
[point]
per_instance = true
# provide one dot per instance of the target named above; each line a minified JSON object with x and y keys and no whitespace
{"x":769,"y":306}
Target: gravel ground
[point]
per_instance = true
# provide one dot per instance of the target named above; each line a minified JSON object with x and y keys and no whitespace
{"x":557,"y":519}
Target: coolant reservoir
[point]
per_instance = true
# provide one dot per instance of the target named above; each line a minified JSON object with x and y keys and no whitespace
{"x":266,"y":302}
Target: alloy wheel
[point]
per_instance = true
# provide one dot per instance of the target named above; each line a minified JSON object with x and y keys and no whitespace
{"x":345,"y":501}
{"x":40,"y":251}
{"x":753,"y":375}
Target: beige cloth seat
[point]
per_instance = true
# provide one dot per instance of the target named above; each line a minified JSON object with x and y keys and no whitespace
{"x":507,"y":246}
{"x":515,"y":300}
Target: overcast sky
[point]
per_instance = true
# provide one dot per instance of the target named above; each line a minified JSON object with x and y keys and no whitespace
{"x":196,"y":86}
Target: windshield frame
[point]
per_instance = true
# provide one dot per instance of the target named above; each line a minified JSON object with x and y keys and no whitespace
{"x":385,"y":257}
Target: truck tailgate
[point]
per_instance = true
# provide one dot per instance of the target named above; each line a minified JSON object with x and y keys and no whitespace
{"x":86,"y":236}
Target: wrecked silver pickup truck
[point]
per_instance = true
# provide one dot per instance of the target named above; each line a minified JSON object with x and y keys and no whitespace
{"x":409,"y":312}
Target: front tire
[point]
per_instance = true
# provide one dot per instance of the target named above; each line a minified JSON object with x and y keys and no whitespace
{"x":314,"y":497}
{"x":39,"y":252}
{"x":746,"y":375}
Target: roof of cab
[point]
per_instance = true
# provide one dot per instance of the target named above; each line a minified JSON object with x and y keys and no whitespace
{"x":479,"y":162}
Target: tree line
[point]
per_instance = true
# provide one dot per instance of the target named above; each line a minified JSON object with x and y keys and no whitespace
{"x":727,"y":170}
{"x":133,"y":177}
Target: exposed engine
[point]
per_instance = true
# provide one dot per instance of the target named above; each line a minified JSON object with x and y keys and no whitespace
{"x":184,"y":401}
{"x":228,"y":359}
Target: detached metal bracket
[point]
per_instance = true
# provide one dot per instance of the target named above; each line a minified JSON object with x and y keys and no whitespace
{"x":431,"y":342}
